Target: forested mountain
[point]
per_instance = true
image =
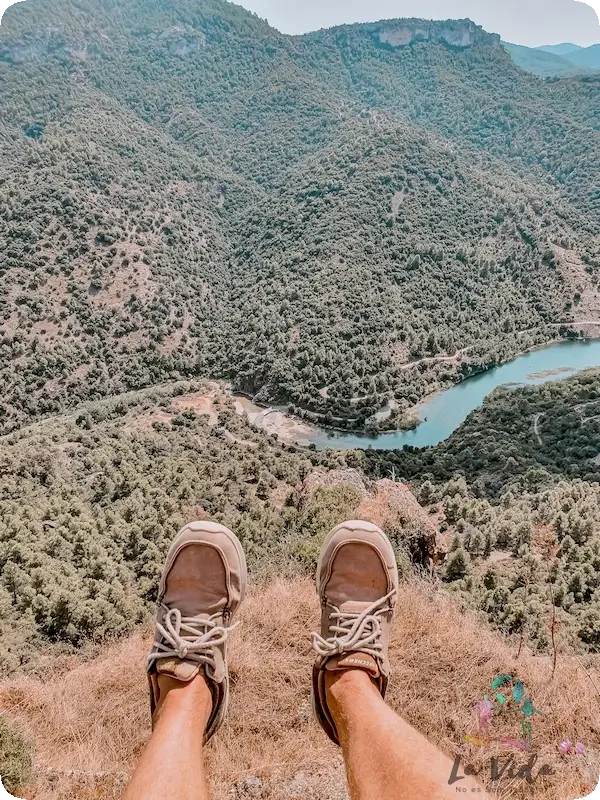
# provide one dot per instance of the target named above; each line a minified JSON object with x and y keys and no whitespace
{"x":586,"y":57}
{"x":560,"y":49}
{"x":186,"y":191}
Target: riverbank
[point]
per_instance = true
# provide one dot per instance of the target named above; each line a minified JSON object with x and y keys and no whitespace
{"x":447,"y":410}
{"x":274,"y":421}
{"x":290,"y":429}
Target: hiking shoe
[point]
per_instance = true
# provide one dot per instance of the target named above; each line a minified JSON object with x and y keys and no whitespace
{"x":357,"y":582}
{"x":202,"y":584}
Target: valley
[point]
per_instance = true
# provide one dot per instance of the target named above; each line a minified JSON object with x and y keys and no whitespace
{"x":191,"y":215}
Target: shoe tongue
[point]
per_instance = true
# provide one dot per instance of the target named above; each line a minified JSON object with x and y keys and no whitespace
{"x":354,"y":660}
{"x":178,"y":669}
{"x":183,"y":669}
{"x":354,"y":606}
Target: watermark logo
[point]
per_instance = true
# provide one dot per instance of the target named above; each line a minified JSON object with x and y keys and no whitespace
{"x":507,"y":768}
{"x":509,"y":700}
{"x":508,"y":708}
{"x":508,"y":696}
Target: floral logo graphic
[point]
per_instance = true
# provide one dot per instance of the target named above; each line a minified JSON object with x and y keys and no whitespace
{"x":508,"y":701}
{"x":508,"y":695}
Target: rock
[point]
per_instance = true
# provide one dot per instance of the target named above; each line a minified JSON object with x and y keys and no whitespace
{"x":389,"y":504}
{"x":392,"y":505}
{"x":299,"y":786}
{"x":334,"y":477}
{"x":304,"y":713}
{"x":247,"y":787}
{"x":455,"y":33}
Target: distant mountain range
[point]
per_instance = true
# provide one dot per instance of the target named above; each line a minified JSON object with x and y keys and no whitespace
{"x":558,"y":60}
{"x":560,"y":49}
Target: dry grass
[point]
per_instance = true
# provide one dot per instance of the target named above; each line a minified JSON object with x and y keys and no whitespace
{"x":89,"y":722}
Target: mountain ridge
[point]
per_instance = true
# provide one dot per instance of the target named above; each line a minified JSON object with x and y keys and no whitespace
{"x":562,"y":60}
{"x":560,"y":49}
{"x":402,"y":32}
{"x":544,"y":63}
{"x":587,"y":57}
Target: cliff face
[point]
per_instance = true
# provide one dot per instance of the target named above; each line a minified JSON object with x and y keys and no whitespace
{"x":456,"y":33}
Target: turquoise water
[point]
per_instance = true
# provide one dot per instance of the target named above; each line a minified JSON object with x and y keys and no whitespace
{"x":450,"y":408}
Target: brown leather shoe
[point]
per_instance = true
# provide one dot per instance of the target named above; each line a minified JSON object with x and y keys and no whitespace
{"x":203,"y":583}
{"x":357,"y":581}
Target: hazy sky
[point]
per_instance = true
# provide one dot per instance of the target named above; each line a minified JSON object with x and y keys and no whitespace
{"x":529,"y":22}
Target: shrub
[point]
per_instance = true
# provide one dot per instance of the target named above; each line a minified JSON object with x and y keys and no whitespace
{"x":15,"y":756}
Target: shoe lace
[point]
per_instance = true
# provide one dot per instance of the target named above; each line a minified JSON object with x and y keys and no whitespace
{"x":358,"y":631}
{"x":189,"y":638}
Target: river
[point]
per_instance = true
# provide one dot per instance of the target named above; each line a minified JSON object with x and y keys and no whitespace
{"x":446,"y":411}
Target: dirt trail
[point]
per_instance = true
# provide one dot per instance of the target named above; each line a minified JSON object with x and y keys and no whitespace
{"x":536,"y":429}
{"x":434,"y":359}
{"x":464,"y":350}
{"x":577,"y":322}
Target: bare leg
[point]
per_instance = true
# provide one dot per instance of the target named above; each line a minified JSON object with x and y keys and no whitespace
{"x":386,"y":758}
{"x":172,"y":767}
{"x":202,"y":585}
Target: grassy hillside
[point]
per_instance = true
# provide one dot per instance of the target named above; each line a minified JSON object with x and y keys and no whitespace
{"x":443,"y":662}
{"x":184,"y":191}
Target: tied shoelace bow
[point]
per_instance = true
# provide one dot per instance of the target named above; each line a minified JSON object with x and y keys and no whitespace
{"x":190,"y":638}
{"x":358,"y":631}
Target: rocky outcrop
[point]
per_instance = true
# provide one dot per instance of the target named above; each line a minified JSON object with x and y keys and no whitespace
{"x":455,"y":33}
{"x":396,"y":510}
{"x":386,"y":503}
{"x":180,"y":40}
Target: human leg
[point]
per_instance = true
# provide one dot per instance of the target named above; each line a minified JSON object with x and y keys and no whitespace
{"x":202,"y":585}
{"x":386,"y":758}
{"x":172,"y":766}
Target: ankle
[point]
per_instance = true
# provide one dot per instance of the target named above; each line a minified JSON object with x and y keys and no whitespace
{"x":347,"y":693}
{"x":341,"y":686}
{"x":177,"y":693}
